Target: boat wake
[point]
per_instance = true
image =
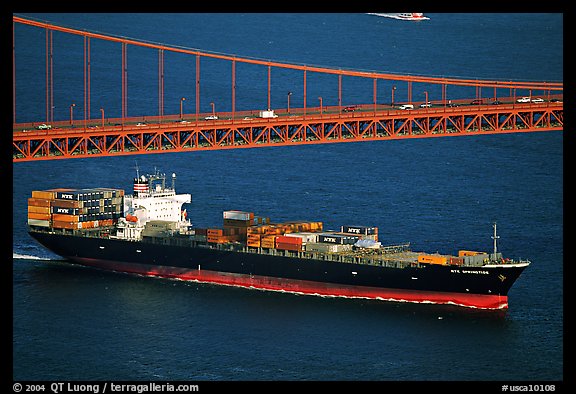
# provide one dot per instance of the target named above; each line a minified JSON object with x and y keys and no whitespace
{"x":18,"y":256}
{"x":399,"y":16}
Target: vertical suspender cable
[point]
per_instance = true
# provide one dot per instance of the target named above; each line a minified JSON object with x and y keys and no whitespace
{"x":197,"y":86}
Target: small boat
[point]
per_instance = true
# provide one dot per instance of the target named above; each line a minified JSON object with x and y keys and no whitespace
{"x":412,"y":16}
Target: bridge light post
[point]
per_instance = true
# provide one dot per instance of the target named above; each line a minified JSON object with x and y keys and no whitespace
{"x":102,"y":111}
{"x":426,"y":99}
{"x":213,"y":109}
{"x":289,"y":94}
{"x":321,"y":108}
{"x":393,"y":90}
{"x":71,"y":114}
{"x":181,"y":112}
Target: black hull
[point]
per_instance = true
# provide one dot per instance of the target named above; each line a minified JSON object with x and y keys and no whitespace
{"x":480,"y":287}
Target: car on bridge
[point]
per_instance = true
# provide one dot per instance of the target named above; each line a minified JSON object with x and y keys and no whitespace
{"x":211,"y":117}
{"x":44,"y":126}
{"x":477,"y":102}
{"x":523,"y":100}
{"x":350,"y":108}
{"x":426,"y":105}
{"x":406,"y":106}
{"x":537,"y":100}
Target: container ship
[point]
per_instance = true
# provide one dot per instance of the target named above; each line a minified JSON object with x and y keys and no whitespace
{"x":149,"y":233}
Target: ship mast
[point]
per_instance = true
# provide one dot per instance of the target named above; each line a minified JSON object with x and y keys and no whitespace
{"x":495,"y":237}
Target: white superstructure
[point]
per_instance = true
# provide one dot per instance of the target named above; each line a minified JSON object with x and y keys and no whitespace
{"x":152,"y":201}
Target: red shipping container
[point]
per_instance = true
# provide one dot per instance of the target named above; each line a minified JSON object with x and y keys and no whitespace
{"x":281,"y":239}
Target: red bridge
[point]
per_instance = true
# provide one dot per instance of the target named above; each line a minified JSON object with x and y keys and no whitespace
{"x":508,"y":107}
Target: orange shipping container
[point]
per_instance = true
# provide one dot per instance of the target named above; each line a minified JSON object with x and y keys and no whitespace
{"x":432,"y":259}
{"x":38,"y":202}
{"x":38,"y":216}
{"x":33,"y":209}
{"x":44,"y":194}
{"x":462,"y":253}
{"x":66,"y":225}
{"x":216,"y":232}
{"x":60,"y":217}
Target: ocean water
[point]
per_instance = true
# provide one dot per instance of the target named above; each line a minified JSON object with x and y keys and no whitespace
{"x":441,"y":194}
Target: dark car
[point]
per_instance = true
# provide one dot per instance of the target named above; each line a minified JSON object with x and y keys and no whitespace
{"x":477,"y":102}
{"x":496,"y":102}
{"x":350,"y":108}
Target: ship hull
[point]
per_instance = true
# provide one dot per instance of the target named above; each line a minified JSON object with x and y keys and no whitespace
{"x":477,"y":287}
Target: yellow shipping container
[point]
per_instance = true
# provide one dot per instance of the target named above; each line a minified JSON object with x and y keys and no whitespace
{"x":432,"y":259}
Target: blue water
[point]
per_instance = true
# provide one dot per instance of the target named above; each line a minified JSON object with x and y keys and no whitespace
{"x":441,"y":194}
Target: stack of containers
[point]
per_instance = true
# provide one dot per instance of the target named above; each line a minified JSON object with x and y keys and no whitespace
{"x":366,"y":232}
{"x":237,"y":223}
{"x":75,"y":208}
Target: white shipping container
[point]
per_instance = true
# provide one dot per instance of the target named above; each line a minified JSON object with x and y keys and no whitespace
{"x":237,"y":215}
{"x":36,"y":222}
{"x":327,"y":248}
{"x":306,"y":236}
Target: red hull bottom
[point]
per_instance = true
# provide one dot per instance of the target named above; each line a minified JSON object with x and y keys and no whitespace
{"x":305,"y":287}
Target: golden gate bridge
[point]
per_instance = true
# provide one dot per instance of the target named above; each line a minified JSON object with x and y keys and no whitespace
{"x":508,"y":107}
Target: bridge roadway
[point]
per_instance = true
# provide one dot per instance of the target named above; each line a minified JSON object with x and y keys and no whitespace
{"x":313,"y":125}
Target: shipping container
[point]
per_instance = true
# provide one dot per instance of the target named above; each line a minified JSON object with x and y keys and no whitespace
{"x":237,"y":223}
{"x":360,"y":230}
{"x":33,"y":209}
{"x":68,"y":218}
{"x":462,"y":253}
{"x":201,"y":231}
{"x":216,"y":232}
{"x":67,"y":203}
{"x":238,"y":215}
{"x":283,"y":239}
{"x":38,"y":202}
{"x":456,"y":261}
{"x":66,"y":225}
{"x":38,"y":216}
{"x":327,"y":248}
{"x":432,"y":259}
{"x":305,"y":236}
{"x":285,"y":246}
{"x":68,"y":211}
{"x":268,"y":241}
{"x":44,"y":194}
{"x":335,"y":238}
{"x":41,"y":223}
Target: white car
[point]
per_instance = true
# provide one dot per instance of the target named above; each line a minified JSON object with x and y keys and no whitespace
{"x":523,"y":100}
{"x":406,"y":106}
{"x":211,"y":117}
{"x":44,"y":126}
{"x":426,"y":105}
{"x":537,"y":100}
